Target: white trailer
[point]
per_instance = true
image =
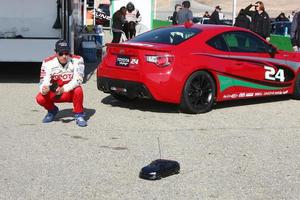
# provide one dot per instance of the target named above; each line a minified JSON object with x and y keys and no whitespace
{"x":26,"y":27}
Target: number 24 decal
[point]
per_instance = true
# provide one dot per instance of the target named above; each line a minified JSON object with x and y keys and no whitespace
{"x":271,"y":74}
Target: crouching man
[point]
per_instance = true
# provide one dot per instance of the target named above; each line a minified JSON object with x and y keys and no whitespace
{"x":60,"y":80}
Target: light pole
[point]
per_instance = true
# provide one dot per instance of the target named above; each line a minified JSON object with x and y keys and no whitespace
{"x":234,"y":11}
{"x":84,"y":12}
{"x":155,"y":6}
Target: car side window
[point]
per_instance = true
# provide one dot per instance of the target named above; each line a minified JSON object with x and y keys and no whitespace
{"x":218,"y":42}
{"x":244,"y":42}
{"x":176,"y":37}
{"x":168,"y":35}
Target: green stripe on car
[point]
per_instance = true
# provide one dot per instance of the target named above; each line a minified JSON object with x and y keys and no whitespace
{"x":227,"y":82}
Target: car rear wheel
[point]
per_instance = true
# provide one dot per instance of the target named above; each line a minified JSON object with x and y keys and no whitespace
{"x":297,"y":88}
{"x":122,"y":97}
{"x":198,"y":94}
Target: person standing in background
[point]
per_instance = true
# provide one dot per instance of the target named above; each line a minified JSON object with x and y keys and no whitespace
{"x":185,"y":14}
{"x":260,"y":21}
{"x":174,"y":17}
{"x":242,"y":20}
{"x":118,"y":21}
{"x":291,"y":16}
{"x":295,"y":32}
{"x":132,"y":18}
{"x":215,"y":18}
{"x":206,"y":15}
{"x":281,"y":18}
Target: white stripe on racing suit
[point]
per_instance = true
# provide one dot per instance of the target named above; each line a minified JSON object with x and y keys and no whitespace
{"x":71,"y":74}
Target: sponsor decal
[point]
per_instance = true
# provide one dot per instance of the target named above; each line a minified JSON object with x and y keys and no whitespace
{"x":233,"y":96}
{"x":64,"y":76}
{"x":256,"y":94}
{"x":122,"y":61}
{"x":271,"y":74}
{"x":125,"y":61}
{"x":102,"y":16}
{"x":241,"y":95}
{"x":230,"y":96}
{"x":55,"y":68}
{"x":134,"y":61}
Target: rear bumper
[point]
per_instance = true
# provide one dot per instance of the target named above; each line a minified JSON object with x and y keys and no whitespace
{"x":128,"y":88}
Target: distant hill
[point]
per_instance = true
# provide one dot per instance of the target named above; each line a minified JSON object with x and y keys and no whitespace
{"x":273,"y":7}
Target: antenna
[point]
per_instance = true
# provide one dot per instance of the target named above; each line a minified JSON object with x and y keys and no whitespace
{"x":159,"y":147}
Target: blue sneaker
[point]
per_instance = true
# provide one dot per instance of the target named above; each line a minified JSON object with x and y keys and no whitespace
{"x":80,"y":121}
{"x":50,"y":115}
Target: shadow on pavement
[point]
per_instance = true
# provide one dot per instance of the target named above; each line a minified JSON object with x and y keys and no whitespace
{"x":142,"y":105}
{"x":67,"y":115}
{"x":154,"y":106}
{"x":90,"y":69}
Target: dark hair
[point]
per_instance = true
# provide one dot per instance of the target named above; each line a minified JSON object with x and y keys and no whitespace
{"x":130,"y":7}
{"x":242,"y":12}
{"x":122,"y":8}
{"x":218,"y":7}
{"x":282,"y":14}
{"x":186,"y":4}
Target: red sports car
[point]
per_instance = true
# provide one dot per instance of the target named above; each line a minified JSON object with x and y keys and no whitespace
{"x":197,"y":65}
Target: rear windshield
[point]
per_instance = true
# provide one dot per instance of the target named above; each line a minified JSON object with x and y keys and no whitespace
{"x":168,"y":35}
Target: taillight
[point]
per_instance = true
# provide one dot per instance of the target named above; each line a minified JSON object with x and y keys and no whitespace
{"x":160,"y":61}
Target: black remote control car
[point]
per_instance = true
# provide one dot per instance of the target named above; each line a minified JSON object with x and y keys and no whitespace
{"x":160,"y":168}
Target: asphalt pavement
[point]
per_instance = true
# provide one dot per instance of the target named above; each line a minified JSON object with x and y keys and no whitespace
{"x":240,"y":150}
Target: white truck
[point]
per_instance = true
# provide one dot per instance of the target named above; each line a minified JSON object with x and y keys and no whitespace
{"x":27,"y":32}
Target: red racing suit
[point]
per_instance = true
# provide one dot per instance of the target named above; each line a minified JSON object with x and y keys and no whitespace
{"x":69,"y":76}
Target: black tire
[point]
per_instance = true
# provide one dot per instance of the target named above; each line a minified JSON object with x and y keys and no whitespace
{"x":296,"y":94}
{"x":122,"y":98}
{"x":199,"y":93}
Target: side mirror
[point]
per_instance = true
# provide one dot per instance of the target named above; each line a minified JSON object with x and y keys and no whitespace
{"x":271,"y":50}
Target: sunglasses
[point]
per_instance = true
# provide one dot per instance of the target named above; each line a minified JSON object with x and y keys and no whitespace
{"x":63,"y":53}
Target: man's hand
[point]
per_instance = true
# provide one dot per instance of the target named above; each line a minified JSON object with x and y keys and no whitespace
{"x":295,"y":48}
{"x":45,"y":90}
{"x":59,"y":91}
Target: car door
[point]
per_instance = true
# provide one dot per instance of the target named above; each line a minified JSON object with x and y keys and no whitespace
{"x":248,"y":53}
{"x":252,"y":65}
{"x":220,"y":63}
